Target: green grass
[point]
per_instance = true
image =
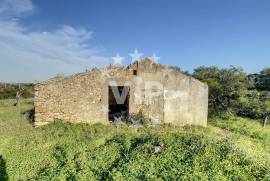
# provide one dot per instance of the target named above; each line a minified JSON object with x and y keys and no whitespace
{"x":63,"y":151}
{"x":243,"y":126}
{"x":250,"y":136}
{"x":12,"y":120}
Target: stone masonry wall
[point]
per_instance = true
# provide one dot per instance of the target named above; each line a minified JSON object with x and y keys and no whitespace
{"x":178,"y":99}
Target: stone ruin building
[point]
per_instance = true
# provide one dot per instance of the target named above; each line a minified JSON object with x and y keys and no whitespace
{"x":161,"y":94}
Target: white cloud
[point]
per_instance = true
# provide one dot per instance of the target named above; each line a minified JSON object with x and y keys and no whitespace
{"x":15,"y":8}
{"x":43,"y":54}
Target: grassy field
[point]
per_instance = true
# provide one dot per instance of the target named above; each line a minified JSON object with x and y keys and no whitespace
{"x":234,"y":149}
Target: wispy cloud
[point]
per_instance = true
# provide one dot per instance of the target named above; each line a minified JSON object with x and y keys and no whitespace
{"x":15,"y":8}
{"x":63,"y":50}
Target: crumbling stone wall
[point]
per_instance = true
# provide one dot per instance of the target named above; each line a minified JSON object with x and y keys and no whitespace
{"x":162,"y":94}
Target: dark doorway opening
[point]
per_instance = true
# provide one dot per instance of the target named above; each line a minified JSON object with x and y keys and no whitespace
{"x":118,"y":102}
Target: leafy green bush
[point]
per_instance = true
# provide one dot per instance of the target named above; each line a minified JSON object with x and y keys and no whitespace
{"x":232,"y":91}
{"x":8,"y":91}
{"x":225,"y":86}
{"x":253,"y":104}
{"x":263,"y":80}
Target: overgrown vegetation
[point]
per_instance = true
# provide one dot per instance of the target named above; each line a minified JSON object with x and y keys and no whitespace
{"x":64,"y":151}
{"x":8,"y":91}
{"x":233,"y":91}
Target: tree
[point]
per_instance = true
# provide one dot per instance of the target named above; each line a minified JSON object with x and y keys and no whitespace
{"x":263,"y":80}
{"x":225,"y":86}
{"x":253,"y":104}
{"x":18,"y":96}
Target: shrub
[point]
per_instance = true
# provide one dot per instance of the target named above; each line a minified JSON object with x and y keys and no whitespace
{"x":8,"y":91}
{"x":63,"y":151}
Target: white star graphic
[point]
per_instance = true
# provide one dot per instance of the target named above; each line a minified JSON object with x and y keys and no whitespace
{"x":154,"y":58}
{"x":118,"y":120}
{"x":135,"y":55}
{"x":118,"y":60}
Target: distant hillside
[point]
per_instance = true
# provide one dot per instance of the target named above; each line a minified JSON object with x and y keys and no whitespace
{"x":8,"y":91}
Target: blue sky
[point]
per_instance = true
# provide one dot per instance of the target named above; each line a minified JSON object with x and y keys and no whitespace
{"x":40,"y":39}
